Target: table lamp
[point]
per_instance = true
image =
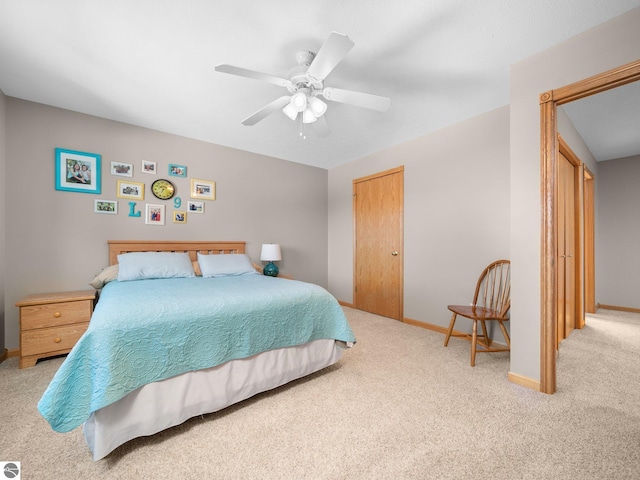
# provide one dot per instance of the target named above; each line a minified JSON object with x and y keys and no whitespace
{"x":270,"y":253}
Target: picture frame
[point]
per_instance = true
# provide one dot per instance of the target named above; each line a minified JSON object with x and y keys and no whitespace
{"x":195,"y":207}
{"x":204,"y":189}
{"x":179,"y":217}
{"x":122,"y":169}
{"x":78,"y":171}
{"x":148,"y":167}
{"x":154,"y":214}
{"x":109,"y":207}
{"x":133,"y":190}
{"x":177,"y":170}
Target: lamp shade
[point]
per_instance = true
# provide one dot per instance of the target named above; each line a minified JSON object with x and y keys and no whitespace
{"x":270,"y":252}
{"x":317,"y":106}
{"x":308,"y":116}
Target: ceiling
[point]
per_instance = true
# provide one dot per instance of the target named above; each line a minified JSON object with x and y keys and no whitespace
{"x":151,"y":63}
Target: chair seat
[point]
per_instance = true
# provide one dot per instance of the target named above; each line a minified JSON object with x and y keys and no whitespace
{"x":481,"y":313}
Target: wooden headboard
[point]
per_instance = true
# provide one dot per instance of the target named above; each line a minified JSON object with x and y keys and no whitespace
{"x":116,"y":247}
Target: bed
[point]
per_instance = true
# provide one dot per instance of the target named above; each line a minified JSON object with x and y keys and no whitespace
{"x":159,"y":351}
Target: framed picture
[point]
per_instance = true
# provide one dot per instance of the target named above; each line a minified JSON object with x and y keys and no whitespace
{"x":105,"y":206}
{"x":77,"y":171}
{"x":154,"y":214}
{"x":148,"y":167}
{"x":132,"y":190}
{"x":179,"y":217}
{"x":122,"y":169}
{"x":203,"y":189}
{"x":177,"y":170}
{"x":195,"y":207}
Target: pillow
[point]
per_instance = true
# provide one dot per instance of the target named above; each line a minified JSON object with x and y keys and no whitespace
{"x":225,"y":265}
{"x":146,"y":265}
{"x":107,"y":275}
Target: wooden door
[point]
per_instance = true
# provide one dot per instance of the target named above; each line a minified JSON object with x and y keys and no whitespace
{"x":567,"y":218}
{"x":378,"y":203}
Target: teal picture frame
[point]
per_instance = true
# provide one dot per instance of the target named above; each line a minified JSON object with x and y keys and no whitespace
{"x":177,"y":170}
{"x":78,"y":171}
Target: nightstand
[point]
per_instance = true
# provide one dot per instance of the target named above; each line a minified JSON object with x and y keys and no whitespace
{"x":52,"y":323}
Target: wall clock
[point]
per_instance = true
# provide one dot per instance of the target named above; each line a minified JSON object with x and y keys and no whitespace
{"x":163,"y":189}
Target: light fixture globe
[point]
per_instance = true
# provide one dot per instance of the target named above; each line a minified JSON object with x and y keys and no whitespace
{"x":299,"y":101}
{"x":308,"y":116}
{"x":317,"y":106}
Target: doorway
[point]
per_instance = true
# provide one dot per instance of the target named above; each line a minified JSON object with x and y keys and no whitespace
{"x":549,"y":101}
{"x":378,"y":206}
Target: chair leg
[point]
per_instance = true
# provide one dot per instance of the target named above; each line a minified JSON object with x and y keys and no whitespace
{"x":505,"y":334}
{"x":487,"y":340}
{"x":451,"y":324}
{"x":474,"y":340}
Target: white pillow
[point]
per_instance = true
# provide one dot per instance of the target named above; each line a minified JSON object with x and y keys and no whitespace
{"x":221,"y":265}
{"x":145,"y":265}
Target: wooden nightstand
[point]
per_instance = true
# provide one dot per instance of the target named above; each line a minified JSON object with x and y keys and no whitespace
{"x":52,"y":323}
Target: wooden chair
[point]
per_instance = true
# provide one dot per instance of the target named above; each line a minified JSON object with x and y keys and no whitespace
{"x":491,"y":301}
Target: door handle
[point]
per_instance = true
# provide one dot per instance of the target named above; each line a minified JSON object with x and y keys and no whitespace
{"x":394,"y":253}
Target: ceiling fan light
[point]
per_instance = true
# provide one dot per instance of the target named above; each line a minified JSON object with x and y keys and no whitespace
{"x":299,"y":101}
{"x":317,"y":106}
{"x":308,"y":116}
{"x":290,"y":111}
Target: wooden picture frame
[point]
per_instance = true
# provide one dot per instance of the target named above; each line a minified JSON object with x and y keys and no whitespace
{"x":77,"y":171}
{"x":179,"y":217}
{"x":204,"y":189}
{"x":133,"y":190}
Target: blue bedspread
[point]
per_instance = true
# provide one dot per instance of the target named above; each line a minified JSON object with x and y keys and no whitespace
{"x":148,"y":330}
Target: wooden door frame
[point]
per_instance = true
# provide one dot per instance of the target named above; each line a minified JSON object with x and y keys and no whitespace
{"x":588,"y":180}
{"x":391,"y":171}
{"x":549,"y":149}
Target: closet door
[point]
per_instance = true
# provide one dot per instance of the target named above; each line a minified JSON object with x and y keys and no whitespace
{"x":378,"y":202}
{"x":567,"y":224}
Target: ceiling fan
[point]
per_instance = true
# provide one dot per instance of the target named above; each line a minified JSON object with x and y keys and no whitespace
{"x":306,"y":82}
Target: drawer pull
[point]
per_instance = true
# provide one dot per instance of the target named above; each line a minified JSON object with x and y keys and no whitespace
{"x":57,"y":340}
{"x":57,"y":314}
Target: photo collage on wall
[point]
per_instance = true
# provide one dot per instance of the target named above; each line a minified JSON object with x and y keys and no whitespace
{"x":80,"y":172}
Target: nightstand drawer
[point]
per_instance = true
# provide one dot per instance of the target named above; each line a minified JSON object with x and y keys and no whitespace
{"x":52,"y":314}
{"x":52,"y":339}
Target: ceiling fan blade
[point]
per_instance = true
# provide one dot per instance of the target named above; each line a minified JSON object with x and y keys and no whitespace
{"x":243,"y":72}
{"x":365,"y":100}
{"x":321,"y":127}
{"x":332,"y":51}
{"x":277,"y":104}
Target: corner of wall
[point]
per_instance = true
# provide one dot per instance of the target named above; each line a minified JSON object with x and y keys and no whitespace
{"x":3,"y":156}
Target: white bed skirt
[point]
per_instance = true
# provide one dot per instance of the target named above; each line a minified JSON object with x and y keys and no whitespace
{"x":160,"y":405}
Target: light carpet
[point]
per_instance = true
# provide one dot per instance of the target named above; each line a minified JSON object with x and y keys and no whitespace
{"x":398,"y":405}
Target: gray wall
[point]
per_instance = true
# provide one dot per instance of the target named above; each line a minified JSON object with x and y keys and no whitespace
{"x":618,"y":233}
{"x":607,"y":46}
{"x":456,"y":217}
{"x":3,"y":144}
{"x":56,"y":243}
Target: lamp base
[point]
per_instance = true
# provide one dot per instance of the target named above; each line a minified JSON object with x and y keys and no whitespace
{"x":271,"y":269}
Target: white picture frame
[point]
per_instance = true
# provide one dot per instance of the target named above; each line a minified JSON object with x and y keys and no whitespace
{"x":154,"y":214}
{"x":109,"y":207}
